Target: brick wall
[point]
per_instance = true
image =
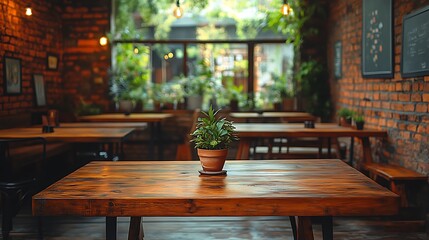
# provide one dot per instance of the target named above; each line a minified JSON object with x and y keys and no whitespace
{"x":29,"y":38}
{"x":67,"y":29}
{"x":399,"y":105}
{"x":86,"y":63}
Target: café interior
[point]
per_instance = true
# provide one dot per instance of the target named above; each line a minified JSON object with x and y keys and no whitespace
{"x":109,"y":110}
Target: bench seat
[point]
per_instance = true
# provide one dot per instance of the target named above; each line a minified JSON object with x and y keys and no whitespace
{"x":397,"y":176}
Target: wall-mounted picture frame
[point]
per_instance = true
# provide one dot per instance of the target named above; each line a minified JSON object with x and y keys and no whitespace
{"x":39,"y":90}
{"x":338,"y":59}
{"x":52,"y":62}
{"x":13,"y":76}
{"x":377,"y":39}
{"x":415,"y":44}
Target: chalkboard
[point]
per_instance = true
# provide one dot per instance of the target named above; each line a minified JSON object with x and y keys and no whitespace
{"x":415,"y":44}
{"x":377,"y":38}
{"x":337,"y":60}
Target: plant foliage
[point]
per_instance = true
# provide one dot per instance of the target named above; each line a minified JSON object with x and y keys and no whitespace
{"x":213,"y":132}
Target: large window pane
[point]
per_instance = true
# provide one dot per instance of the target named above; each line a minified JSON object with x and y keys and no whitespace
{"x":273,"y":73}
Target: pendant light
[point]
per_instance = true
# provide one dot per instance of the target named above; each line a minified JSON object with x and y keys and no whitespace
{"x":28,"y":11}
{"x":286,"y":10}
{"x":178,"y":11}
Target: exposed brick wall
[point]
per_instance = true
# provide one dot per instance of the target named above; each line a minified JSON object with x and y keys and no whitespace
{"x":29,"y":38}
{"x":86,"y":63}
{"x":68,"y":29}
{"x":399,"y":105}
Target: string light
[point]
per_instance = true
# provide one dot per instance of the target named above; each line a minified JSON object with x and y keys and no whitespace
{"x":178,"y":11}
{"x":136,"y":50}
{"x":103,"y":41}
{"x":286,"y":9}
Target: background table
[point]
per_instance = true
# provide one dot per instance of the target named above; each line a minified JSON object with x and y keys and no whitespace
{"x":153,"y":119}
{"x":325,"y":187}
{"x":113,"y":136}
{"x":249,"y":131}
{"x":269,"y":116}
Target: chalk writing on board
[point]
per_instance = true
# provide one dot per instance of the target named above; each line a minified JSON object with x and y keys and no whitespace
{"x":415,"y":46}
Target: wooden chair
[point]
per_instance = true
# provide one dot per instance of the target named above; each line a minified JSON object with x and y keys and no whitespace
{"x":184,"y":149}
{"x":16,"y":186}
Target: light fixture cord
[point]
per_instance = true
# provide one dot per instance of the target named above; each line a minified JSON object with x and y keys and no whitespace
{"x":178,"y":3}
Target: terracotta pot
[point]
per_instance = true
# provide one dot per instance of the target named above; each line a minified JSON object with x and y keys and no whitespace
{"x":288,"y":104}
{"x":212,"y":160}
{"x":345,"y":122}
{"x":233,"y":105}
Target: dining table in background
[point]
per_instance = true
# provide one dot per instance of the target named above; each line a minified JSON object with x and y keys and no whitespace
{"x":272,"y":116}
{"x":323,"y":188}
{"x":113,"y":137}
{"x":154,"y":121}
{"x":252,"y":131}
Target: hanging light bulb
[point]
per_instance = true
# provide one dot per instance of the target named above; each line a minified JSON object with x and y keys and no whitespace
{"x":103,"y":40}
{"x":136,"y":50}
{"x":286,"y":9}
{"x":178,"y":11}
{"x":28,"y":11}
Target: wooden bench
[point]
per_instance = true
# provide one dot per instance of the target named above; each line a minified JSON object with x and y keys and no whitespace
{"x":397,"y":176}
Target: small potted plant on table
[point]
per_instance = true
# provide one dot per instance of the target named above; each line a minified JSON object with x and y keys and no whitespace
{"x":212,"y":138}
{"x":345,"y":115}
{"x":359,"y":121}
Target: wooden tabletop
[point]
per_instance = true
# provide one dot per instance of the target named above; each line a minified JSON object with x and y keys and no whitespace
{"x":70,"y":134}
{"x":325,"y":187}
{"x":133,"y":117}
{"x":269,"y":115}
{"x":103,"y":125}
{"x":257,"y":130}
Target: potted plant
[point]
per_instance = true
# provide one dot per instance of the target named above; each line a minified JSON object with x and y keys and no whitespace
{"x":212,"y":138}
{"x":359,"y":121}
{"x":234,"y":93}
{"x":345,"y":116}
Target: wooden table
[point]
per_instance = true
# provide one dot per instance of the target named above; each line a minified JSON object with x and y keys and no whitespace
{"x":249,"y":131}
{"x":266,"y":116}
{"x":153,"y":119}
{"x":112,"y":136}
{"x":324,"y":187}
{"x":135,"y":125}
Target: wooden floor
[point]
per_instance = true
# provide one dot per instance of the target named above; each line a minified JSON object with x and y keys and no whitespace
{"x":208,"y":228}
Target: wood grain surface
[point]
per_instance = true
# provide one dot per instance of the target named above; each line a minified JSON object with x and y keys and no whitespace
{"x":325,"y":187}
{"x":133,"y":117}
{"x":70,"y":134}
{"x":332,"y":130}
{"x":293,"y":116}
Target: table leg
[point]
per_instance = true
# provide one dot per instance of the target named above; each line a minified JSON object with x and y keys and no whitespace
{"x":327,"y":228}
{"x":304,"y":230}
{"x":160,"y":141}
{"x":151,"y":140}
{"x":243,"y":149}
{"x":135,"y":231}
{"x":351,"y":154}
{"x":111,"y":228}
{"x":329,"y":148}
{"x":366,"y":150}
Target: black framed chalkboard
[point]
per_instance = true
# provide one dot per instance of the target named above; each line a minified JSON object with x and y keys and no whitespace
{"x":337,"y":60}
{"x":415,"y":44}
{"x":377,"y":39}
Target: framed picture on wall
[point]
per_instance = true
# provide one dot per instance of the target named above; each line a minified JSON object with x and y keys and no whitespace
{"x":415,"y":44}
{"x":337,"y":60}
{"x":377,"y":39}
{"x":39,"y":90}
{"x":13,"y":76}
{"x":52,"y":62}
